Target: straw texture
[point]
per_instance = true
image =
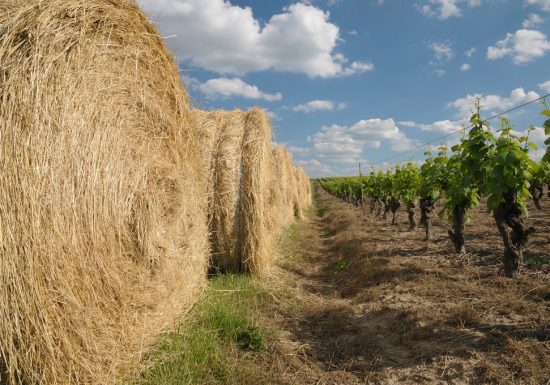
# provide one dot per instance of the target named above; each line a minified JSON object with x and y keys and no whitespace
{"x":103,"y":235}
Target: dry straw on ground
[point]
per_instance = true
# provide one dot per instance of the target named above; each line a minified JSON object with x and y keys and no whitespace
{"x":102,"y":218}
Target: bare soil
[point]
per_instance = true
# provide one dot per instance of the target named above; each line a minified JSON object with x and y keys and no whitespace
{"x":359,"y":301}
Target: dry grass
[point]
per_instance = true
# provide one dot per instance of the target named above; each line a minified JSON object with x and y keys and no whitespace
{"x":102,"y":216}
{"x":367,"y":302}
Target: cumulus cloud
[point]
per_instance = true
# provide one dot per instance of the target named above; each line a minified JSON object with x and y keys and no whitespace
{"x":545,"y":86}
{"x":465,"y":67}
{"x":319,"y":105}
{"x":464,"y":106}
{"x":444,"y":9}
{"x":543,"y":4}
{"x":532,"y":21}
{"x":227,"y":39}
{"x":524,"y":46}
{"x":342,"y":146}
{"x":316,"y":169}
{"x":470,"y":52}
{"x":235,"y":87}
{"x":441,"y":126}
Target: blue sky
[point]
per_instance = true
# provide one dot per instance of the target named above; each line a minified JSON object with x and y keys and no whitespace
{"x":350,"y":81}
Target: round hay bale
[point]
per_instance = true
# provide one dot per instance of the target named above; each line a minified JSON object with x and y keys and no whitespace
{"x":102,"y":217}
{"x":209,"y":125}
{"x":285,"y":203}
{"x":224,"y":200}
{"x":303,"y":191}
{"x":255,"y":239}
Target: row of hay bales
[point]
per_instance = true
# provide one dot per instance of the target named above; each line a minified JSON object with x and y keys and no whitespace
{"x":253,"y":189}
{"x":113,"y":191}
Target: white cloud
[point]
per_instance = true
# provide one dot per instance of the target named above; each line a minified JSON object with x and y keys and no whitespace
{"x":465,"y":67}
{"x":272,"y":114}
{"x":190,"y":82}
{"x":532,"y":21}
{"x":315,"y":169}
{"x":545,"y":86}
{"x":523,"y":46}
{"x":235,"y":87}
{"x":441,"y":126}
{"x":227,"y":39}
{"x":342,"y":146}
{"x":357,"y":67}
{"x":444,"y":9}
{"x":470,"y":52}
{"x":543,"y":4}
{"x":373,"y":131}
{"x":495,"y":103}
{"x":319,"y":105}
{"x":442,"y":52}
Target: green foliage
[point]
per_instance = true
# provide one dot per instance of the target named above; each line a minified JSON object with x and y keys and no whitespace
{"x":467,"y":168}
{"x":480,"y":165}
{"x":511,"y":170}
{"x":546,"y":113}
{"x":341,"y":265}
{"x":541,"y":172}
{"x":433,"y":175}
{"x":407,"y":183}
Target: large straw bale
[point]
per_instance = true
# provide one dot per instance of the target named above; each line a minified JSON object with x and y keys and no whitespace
{"x":255,"y":239}
{"x":102,"y":221}
{"x":303,"y":191}
{"x":285,"y":202}
{"x":209,"y":126}
{"x":224,"y":201}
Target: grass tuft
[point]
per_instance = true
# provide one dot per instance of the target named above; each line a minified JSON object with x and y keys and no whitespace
{"x":205,"y":348}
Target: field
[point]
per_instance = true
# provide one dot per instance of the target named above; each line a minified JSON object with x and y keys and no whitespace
{"x":356,"y":300}
{"x":146,"y":239}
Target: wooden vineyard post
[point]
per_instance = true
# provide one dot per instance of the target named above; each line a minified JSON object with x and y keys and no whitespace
{"x":362,"y":194}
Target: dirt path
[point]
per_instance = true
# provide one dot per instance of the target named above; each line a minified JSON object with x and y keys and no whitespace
{"x":358,"y":301}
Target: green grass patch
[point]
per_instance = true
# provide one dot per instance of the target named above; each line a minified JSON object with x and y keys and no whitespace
{"x":537,"y":260}
{"x":341,"y":265}
{"x":208,"y":347}
{"x":321,"y":211}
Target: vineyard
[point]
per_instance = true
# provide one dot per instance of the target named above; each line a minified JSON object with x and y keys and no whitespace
{"x":482,"y":167}
{"x":148,"y":240}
